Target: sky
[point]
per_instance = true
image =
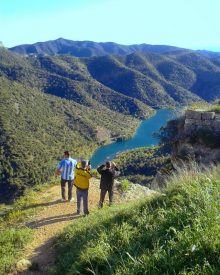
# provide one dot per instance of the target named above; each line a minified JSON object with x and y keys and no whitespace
{"x":192,"y":24}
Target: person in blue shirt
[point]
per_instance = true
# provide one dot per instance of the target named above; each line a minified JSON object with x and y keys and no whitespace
{"x":66,"y":169}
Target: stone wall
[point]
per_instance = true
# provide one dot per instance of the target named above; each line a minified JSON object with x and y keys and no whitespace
{"x":195,"y":120}
{"x":185,"y":151}
{"x":202,"y":151}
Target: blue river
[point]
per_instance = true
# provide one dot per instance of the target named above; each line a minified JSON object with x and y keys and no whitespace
{"x":142,"y":138}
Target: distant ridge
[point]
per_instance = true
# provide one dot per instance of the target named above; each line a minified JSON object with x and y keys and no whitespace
{"x":88,"y":48}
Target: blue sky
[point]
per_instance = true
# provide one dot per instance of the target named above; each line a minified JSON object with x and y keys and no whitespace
{"x":184,"y":23}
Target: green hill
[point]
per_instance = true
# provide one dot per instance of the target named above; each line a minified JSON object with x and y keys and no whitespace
{"x":141,"y":165}
{"x":87,"y":48}
{"x":176,"y":232}
{"x":37,"y":127}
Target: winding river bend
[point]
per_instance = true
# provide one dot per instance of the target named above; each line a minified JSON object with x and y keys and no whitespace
{"x":142,"y":138}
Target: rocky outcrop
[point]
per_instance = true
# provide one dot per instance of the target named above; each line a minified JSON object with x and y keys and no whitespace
{"x":199,"y":139}
{"x":195,"y":120}
{"x":196,"y":138}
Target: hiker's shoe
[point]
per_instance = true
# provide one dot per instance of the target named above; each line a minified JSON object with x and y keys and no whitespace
{"x":71,"y":200}
{"x":78,"y":212}
{"x":62,"y":200}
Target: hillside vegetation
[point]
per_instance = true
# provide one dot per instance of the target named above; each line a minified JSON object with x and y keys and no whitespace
{"x":141,"y":165}
{"x":36,"y":128}
{"x":176,"y":232}
{"x":54,"y":102}
{"x":179,"y":73}
{"x":14,"y":234}
{"x":86,"y":48}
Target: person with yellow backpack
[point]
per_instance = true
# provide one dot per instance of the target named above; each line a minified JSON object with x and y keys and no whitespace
{"x":81,"y":181}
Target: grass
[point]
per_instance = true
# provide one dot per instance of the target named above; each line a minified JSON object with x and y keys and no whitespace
{"x":199,"y":106}
{"x":177,"y":232}
{"x":24,"y":207}
{"x":205,"y":106}
{"x":12,"y":241}
{"x":215,"y":108}
{"x":14,"y":235}
{"x":124,"y":185}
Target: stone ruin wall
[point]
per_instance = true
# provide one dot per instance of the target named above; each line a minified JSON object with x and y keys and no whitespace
{"x":195,"y":120}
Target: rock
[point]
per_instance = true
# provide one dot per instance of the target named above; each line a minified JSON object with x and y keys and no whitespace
{"x":193,"y":114}
{"x":206,"y":122}
{"x":216,"y":125}
{"x":23,"y":265}
{"x":208,"y":115}
{"x":135,"y":192}
{"x":189,"y":128}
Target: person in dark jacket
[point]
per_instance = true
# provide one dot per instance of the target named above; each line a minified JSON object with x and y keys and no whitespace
{"x":108,"y":173}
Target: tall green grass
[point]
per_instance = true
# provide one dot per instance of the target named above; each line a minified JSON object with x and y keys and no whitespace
{"x":14,"y":235}
{"x":12,"y":241}
{"x":177,"y":232}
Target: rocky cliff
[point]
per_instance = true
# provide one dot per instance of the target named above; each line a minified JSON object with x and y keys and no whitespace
{"x":195,"y":138}
{"x":198,"y":138}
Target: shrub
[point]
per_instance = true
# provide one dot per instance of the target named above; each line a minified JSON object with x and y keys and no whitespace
{"x":124,"y":185}
{"x":215,"y":108}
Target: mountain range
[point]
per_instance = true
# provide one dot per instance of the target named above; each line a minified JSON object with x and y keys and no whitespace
{"x":91,"y":48}
{"x":64,"y":94}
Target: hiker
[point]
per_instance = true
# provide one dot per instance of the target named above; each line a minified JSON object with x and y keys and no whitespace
{"x":66,"y":168}
{"x":82,"y":186}
{"x":108,"y":172}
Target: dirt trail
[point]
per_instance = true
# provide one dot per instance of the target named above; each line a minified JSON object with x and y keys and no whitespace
{"x":56,"y":215}
{"x":49,"y":222}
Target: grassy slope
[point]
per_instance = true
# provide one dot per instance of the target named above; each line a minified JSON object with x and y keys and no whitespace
{"x":177,"y":232}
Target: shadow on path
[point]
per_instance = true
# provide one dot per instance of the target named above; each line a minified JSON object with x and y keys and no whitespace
{"x":41,"y":204}
{"x":53,"y":220}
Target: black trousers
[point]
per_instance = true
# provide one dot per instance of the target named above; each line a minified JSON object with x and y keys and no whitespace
{"x":102,"y":196}
{"x":70,"y":188}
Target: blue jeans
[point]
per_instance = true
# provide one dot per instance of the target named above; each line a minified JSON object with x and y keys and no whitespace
{"x":82,"y":195}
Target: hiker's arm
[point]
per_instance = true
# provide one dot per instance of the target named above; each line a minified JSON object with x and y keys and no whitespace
{"x":117,"y":172}
{"x":59,"y":169}
{"x":99,"y":169}
{"x":57,"y":172}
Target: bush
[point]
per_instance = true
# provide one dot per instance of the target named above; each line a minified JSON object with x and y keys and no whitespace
{"x":124,"y":185}
{"x":215,"y":108}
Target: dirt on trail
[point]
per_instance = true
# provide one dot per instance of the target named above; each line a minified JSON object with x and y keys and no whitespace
{"x":49,"y":222}
{"x":54,"y":217}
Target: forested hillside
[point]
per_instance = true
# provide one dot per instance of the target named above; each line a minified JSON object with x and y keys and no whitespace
{"x":142,"y":164}
{"x":53,"y":102}
{"x":36,"y":128}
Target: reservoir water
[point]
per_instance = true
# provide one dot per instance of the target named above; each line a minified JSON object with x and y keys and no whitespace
{"x":142,"y":138}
